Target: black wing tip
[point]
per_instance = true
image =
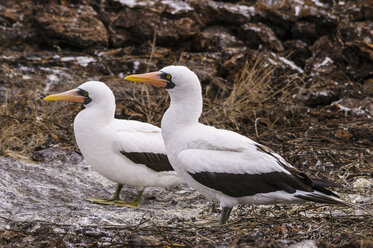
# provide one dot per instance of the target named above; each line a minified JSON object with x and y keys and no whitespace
{"x":328,"y":199}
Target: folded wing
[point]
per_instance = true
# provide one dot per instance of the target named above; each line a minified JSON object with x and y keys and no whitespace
{"x":142,"y":143}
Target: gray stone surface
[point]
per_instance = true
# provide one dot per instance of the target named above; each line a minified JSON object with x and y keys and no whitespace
{"x":54,"y":191}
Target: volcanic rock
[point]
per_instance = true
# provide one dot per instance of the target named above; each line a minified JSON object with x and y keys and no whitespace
{"x":71,"y":25}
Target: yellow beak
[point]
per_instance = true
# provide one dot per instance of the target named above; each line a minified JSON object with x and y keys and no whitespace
{"x":153,"y":78}
{"x":71,"y":96}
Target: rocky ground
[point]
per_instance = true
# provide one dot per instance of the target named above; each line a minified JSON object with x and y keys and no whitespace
{"x":295,"y":75}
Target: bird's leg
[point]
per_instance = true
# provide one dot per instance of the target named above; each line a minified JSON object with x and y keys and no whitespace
{"x":134,"y":204}
{"x":216,"y":222}
{"x":225,"y":215}
{"x":117,"y":192}
{"x":110,"y":201}
{"x":253,"y":210}
{"x":117,"y":201}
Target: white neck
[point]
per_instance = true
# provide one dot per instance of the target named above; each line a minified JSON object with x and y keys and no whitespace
{"x":185,"y":110}
{"x":95,"y":116}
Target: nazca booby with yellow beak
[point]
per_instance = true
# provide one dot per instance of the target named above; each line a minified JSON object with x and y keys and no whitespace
{"x":127,"y":152}
{"x":223,"y":165}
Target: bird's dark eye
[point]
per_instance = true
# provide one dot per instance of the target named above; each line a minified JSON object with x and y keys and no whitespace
{"x":168,"y":76}
{"x":85,"y":93}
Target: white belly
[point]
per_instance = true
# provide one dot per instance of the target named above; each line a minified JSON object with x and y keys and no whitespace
{"x":98,"y":149}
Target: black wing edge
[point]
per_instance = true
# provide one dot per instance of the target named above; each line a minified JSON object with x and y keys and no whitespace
{"x":155,"y":161}
{"x":239,"y":185}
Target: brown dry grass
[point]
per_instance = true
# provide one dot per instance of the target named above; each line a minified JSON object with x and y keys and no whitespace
{"x":28,"y":123}
{"x":257,"y":93}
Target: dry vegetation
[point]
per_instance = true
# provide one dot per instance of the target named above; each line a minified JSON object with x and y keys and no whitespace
{"x":28,"y":123}
{"x":256,"y":91}
{"x":277,"y":226}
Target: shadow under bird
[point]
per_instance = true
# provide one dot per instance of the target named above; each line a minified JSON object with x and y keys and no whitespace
{"x":223,"y":165}
{"x":124,"y":151}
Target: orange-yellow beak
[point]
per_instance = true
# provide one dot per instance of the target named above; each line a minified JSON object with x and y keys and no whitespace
{"x":71,"y":96}
{"x":153,"y":78}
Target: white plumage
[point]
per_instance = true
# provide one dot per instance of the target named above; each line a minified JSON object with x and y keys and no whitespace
{"x":124,"y":151}
{"x":223,"y":165}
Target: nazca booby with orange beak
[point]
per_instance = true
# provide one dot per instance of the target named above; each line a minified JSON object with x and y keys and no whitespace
{"x":223,"y":165}
{"x":127,"y":152}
